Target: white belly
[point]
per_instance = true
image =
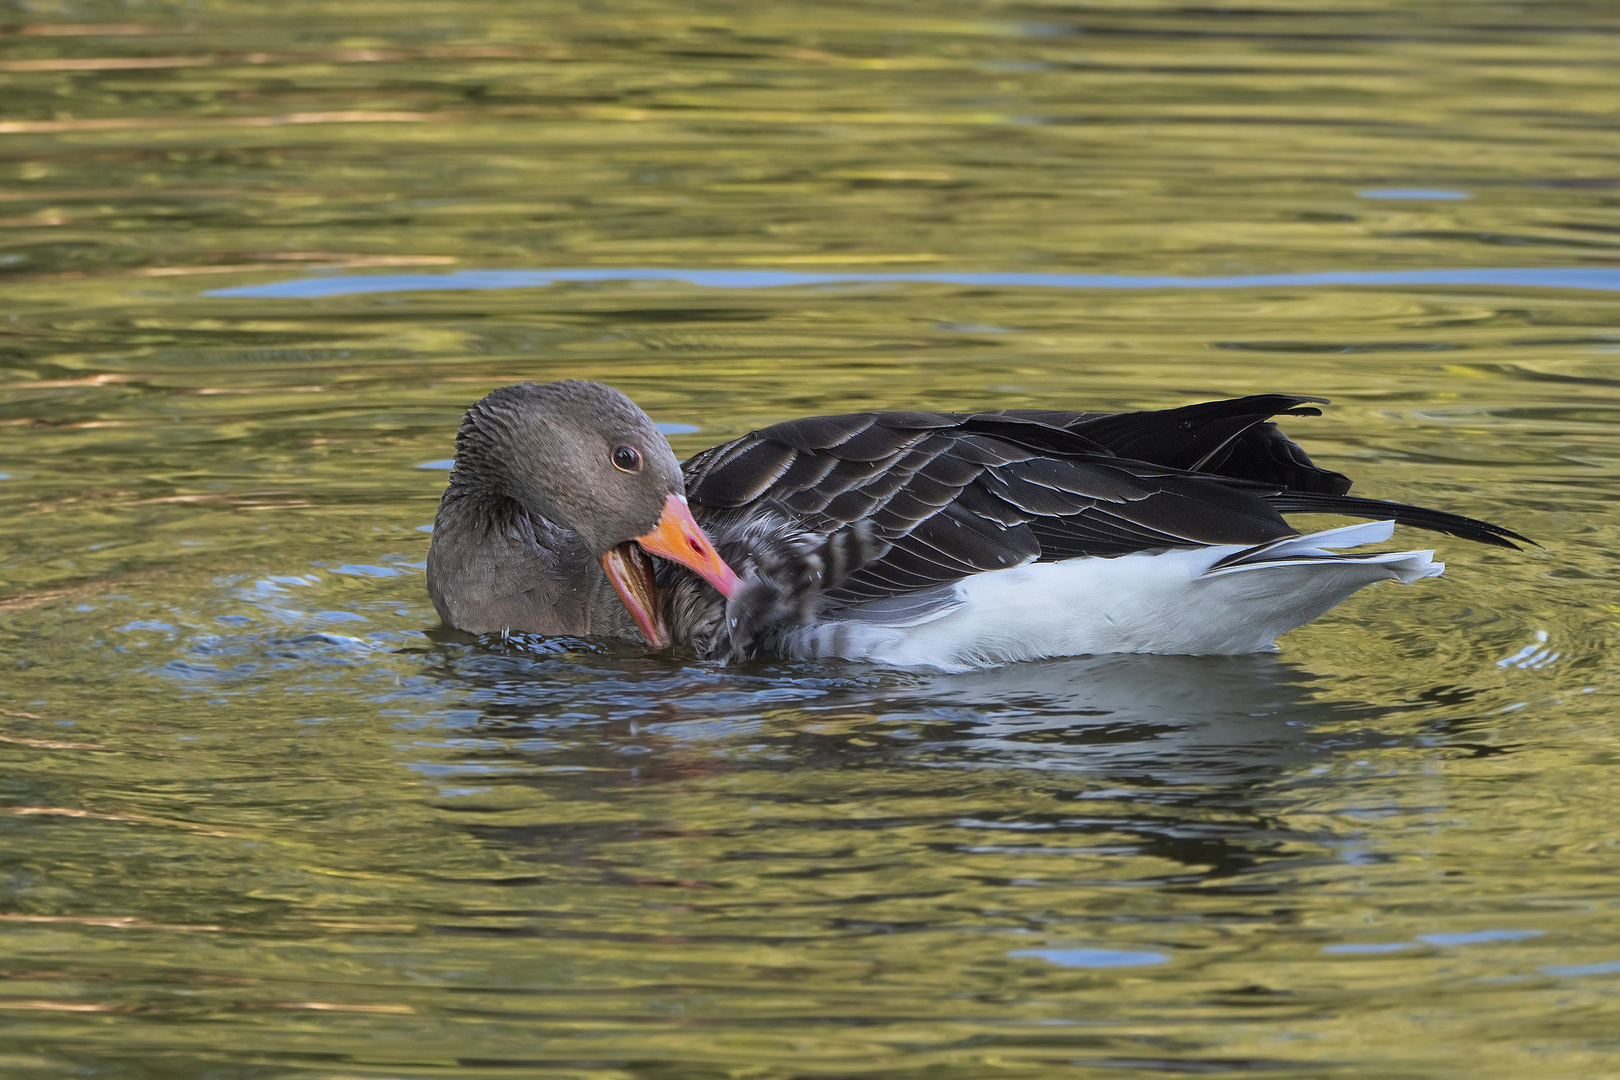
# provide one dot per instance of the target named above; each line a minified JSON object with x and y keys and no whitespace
{"x":1175,"y":601}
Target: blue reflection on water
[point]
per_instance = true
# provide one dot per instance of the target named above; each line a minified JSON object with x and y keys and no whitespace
{"x":1093,"y":958}
{"x":1478,"y":937}
{"x":1605,"y":279}
{"x":1434,"y":194}
{"x":1606,"y":967}
{"x":1471,"y":937}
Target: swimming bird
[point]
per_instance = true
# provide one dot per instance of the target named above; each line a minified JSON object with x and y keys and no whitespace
{"x":951,"y":540}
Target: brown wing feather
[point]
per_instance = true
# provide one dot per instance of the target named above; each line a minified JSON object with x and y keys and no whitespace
{"x":1232,"y":438}
{"x":952,"y":495}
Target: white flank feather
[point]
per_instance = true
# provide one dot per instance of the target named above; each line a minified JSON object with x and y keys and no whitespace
{"x":1227,"y":599}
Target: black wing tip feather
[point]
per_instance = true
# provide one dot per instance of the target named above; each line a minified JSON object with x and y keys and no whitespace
{"x":1270,"y":404}
{"x":1421,"y":517}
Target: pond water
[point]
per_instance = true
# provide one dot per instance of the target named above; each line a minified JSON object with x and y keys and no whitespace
{"x":262,"y":819}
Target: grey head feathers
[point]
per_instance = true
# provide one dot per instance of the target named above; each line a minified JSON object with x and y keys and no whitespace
{"x":557,"y":449}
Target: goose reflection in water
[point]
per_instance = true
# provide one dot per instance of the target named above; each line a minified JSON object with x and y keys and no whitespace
{"x":1180,"y":753}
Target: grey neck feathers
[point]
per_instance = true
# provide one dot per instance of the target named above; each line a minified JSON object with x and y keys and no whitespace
{"x":485,"y":442}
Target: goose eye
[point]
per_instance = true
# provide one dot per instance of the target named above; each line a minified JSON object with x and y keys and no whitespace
{"x":627,"y":459}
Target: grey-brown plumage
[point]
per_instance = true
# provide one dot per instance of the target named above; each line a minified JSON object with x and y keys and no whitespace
{"x":949,"y":495}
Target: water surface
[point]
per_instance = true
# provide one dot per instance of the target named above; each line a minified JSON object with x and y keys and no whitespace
{"x":263,"y":819}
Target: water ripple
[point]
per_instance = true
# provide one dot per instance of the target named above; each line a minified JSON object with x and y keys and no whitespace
{"x":1596,"y":278}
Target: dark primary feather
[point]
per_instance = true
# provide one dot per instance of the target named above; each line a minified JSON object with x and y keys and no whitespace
{"x":1232,"y":438}
{"x":950,"y":495}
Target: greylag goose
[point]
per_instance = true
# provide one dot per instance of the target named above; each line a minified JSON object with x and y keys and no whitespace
{"x":914,"y":538}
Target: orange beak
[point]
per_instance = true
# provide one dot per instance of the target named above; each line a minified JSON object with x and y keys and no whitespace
{"x":630,"y":571}
{"x":678,"y":538}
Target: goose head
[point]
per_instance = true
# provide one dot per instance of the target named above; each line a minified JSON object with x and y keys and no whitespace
{"x":582,"y":456}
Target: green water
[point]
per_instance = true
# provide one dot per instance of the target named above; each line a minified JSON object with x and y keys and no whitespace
{"x":261,"y":820}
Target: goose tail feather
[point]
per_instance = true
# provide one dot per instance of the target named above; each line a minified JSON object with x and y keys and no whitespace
{"x":1310,"y":502}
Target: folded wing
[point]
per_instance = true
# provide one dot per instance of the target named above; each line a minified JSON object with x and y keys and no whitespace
{"x":957,"y":494}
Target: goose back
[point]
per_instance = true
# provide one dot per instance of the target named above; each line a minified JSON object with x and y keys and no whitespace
{"x":951,"y":495}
